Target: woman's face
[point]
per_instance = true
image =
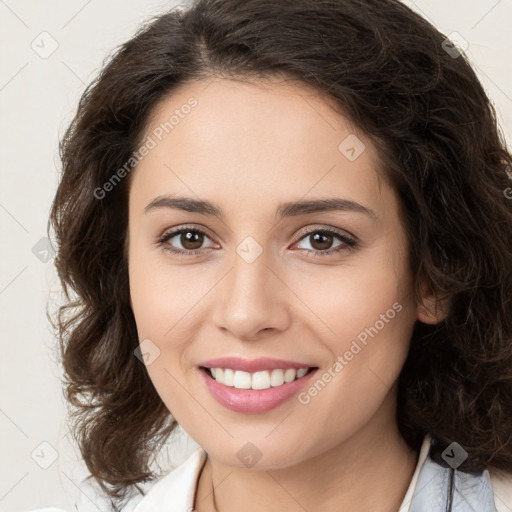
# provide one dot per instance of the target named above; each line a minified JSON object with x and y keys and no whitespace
{"x":266,"y":280}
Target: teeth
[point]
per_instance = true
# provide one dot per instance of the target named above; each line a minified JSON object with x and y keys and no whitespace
{"x":301,"y":372}
{"x":242,"y":380}
{"x":289,"y":375}
{"x":229,"y":377}
{"x":257,"y":380}
{"x":277,"y":378}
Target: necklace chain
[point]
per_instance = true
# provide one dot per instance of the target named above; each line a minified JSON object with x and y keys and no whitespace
{"x":213,"y":492}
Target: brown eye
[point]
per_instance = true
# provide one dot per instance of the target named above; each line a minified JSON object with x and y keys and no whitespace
{"x":191,"y":239}
{"x":321,"y":241}
{"x":186,"y":241}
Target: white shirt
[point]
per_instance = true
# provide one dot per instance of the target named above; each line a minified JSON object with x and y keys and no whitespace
{"x":175,"y":491}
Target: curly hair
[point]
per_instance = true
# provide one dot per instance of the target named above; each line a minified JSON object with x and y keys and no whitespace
{"x":387,"y":70}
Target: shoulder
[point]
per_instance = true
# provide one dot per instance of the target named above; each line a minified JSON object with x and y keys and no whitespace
{"x":175,"y":491}
{"x":502,"y":487}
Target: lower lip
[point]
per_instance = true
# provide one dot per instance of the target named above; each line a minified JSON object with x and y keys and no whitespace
{"x":253,"y":400}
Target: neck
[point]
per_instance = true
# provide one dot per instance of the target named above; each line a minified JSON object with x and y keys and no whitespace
{"x":371,"y":470}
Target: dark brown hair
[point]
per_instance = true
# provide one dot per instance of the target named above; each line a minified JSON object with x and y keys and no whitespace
{"x":388,"y":70}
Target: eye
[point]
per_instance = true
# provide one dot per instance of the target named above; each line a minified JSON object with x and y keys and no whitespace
{"x":191,"y":239}
{"x":321,"y":239}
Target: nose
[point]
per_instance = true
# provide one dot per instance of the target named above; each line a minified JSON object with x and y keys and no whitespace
{"x":251,"y":301}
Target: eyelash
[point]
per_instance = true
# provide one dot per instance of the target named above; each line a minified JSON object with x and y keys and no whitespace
{"x":349,"y":244}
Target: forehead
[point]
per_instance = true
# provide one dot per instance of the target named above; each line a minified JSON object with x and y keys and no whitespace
{"x":244,"y":143}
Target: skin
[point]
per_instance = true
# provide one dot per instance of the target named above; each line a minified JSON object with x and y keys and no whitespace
{"x":248,"y":147}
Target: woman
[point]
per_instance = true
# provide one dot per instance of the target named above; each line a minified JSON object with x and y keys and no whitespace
{"x":287,"y":229}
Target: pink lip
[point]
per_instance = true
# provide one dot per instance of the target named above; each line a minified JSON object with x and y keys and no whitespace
{"x":253,"y":400}
{"x":253,"y":365}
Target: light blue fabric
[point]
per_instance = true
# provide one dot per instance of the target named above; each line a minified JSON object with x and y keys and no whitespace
{"x":431,"y":492}
{"x":470,"y":493}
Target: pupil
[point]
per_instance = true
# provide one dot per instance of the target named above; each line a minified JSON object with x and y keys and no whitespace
{"x":327,"y":240}
{"x":191,"y":240}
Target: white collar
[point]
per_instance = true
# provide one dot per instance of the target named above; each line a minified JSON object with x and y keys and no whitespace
{"x":406,"y":502}
{"x":176,"y":490}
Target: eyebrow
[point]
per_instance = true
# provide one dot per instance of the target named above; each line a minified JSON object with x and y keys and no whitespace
{"x":288,"y":209}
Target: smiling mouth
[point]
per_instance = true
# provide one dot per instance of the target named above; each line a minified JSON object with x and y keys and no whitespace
{"x":260,"y":380}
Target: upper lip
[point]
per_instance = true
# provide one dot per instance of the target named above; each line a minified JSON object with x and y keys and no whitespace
{"x":253,"y":365}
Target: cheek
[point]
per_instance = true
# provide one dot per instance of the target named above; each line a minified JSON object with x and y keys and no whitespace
{"x":367,"y":355}
{"x":367,"y":315}
{"x":347,"y":299}
{"x":161,"y":293}
{"x":161,"y":298}
{"x":148,"y":299}
{"x":368,"y":327}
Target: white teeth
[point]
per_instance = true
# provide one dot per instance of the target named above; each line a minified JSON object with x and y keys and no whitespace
{"x":290,"y":374}
{"x":229,"y":377}
{"x":260,"y":380}
{"x":301,"y":372}
{"x":257,"y":380}
{"x":242,"y":380}
{"x":277,"y":378}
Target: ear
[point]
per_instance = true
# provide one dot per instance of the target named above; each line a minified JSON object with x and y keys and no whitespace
{"x":431,"y":309}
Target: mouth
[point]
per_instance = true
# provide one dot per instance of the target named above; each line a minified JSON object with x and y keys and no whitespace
{"x":260,"y":380}
{"x":256,"y":392}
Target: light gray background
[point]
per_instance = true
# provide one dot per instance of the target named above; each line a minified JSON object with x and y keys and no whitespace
{"x":38,"y":97}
